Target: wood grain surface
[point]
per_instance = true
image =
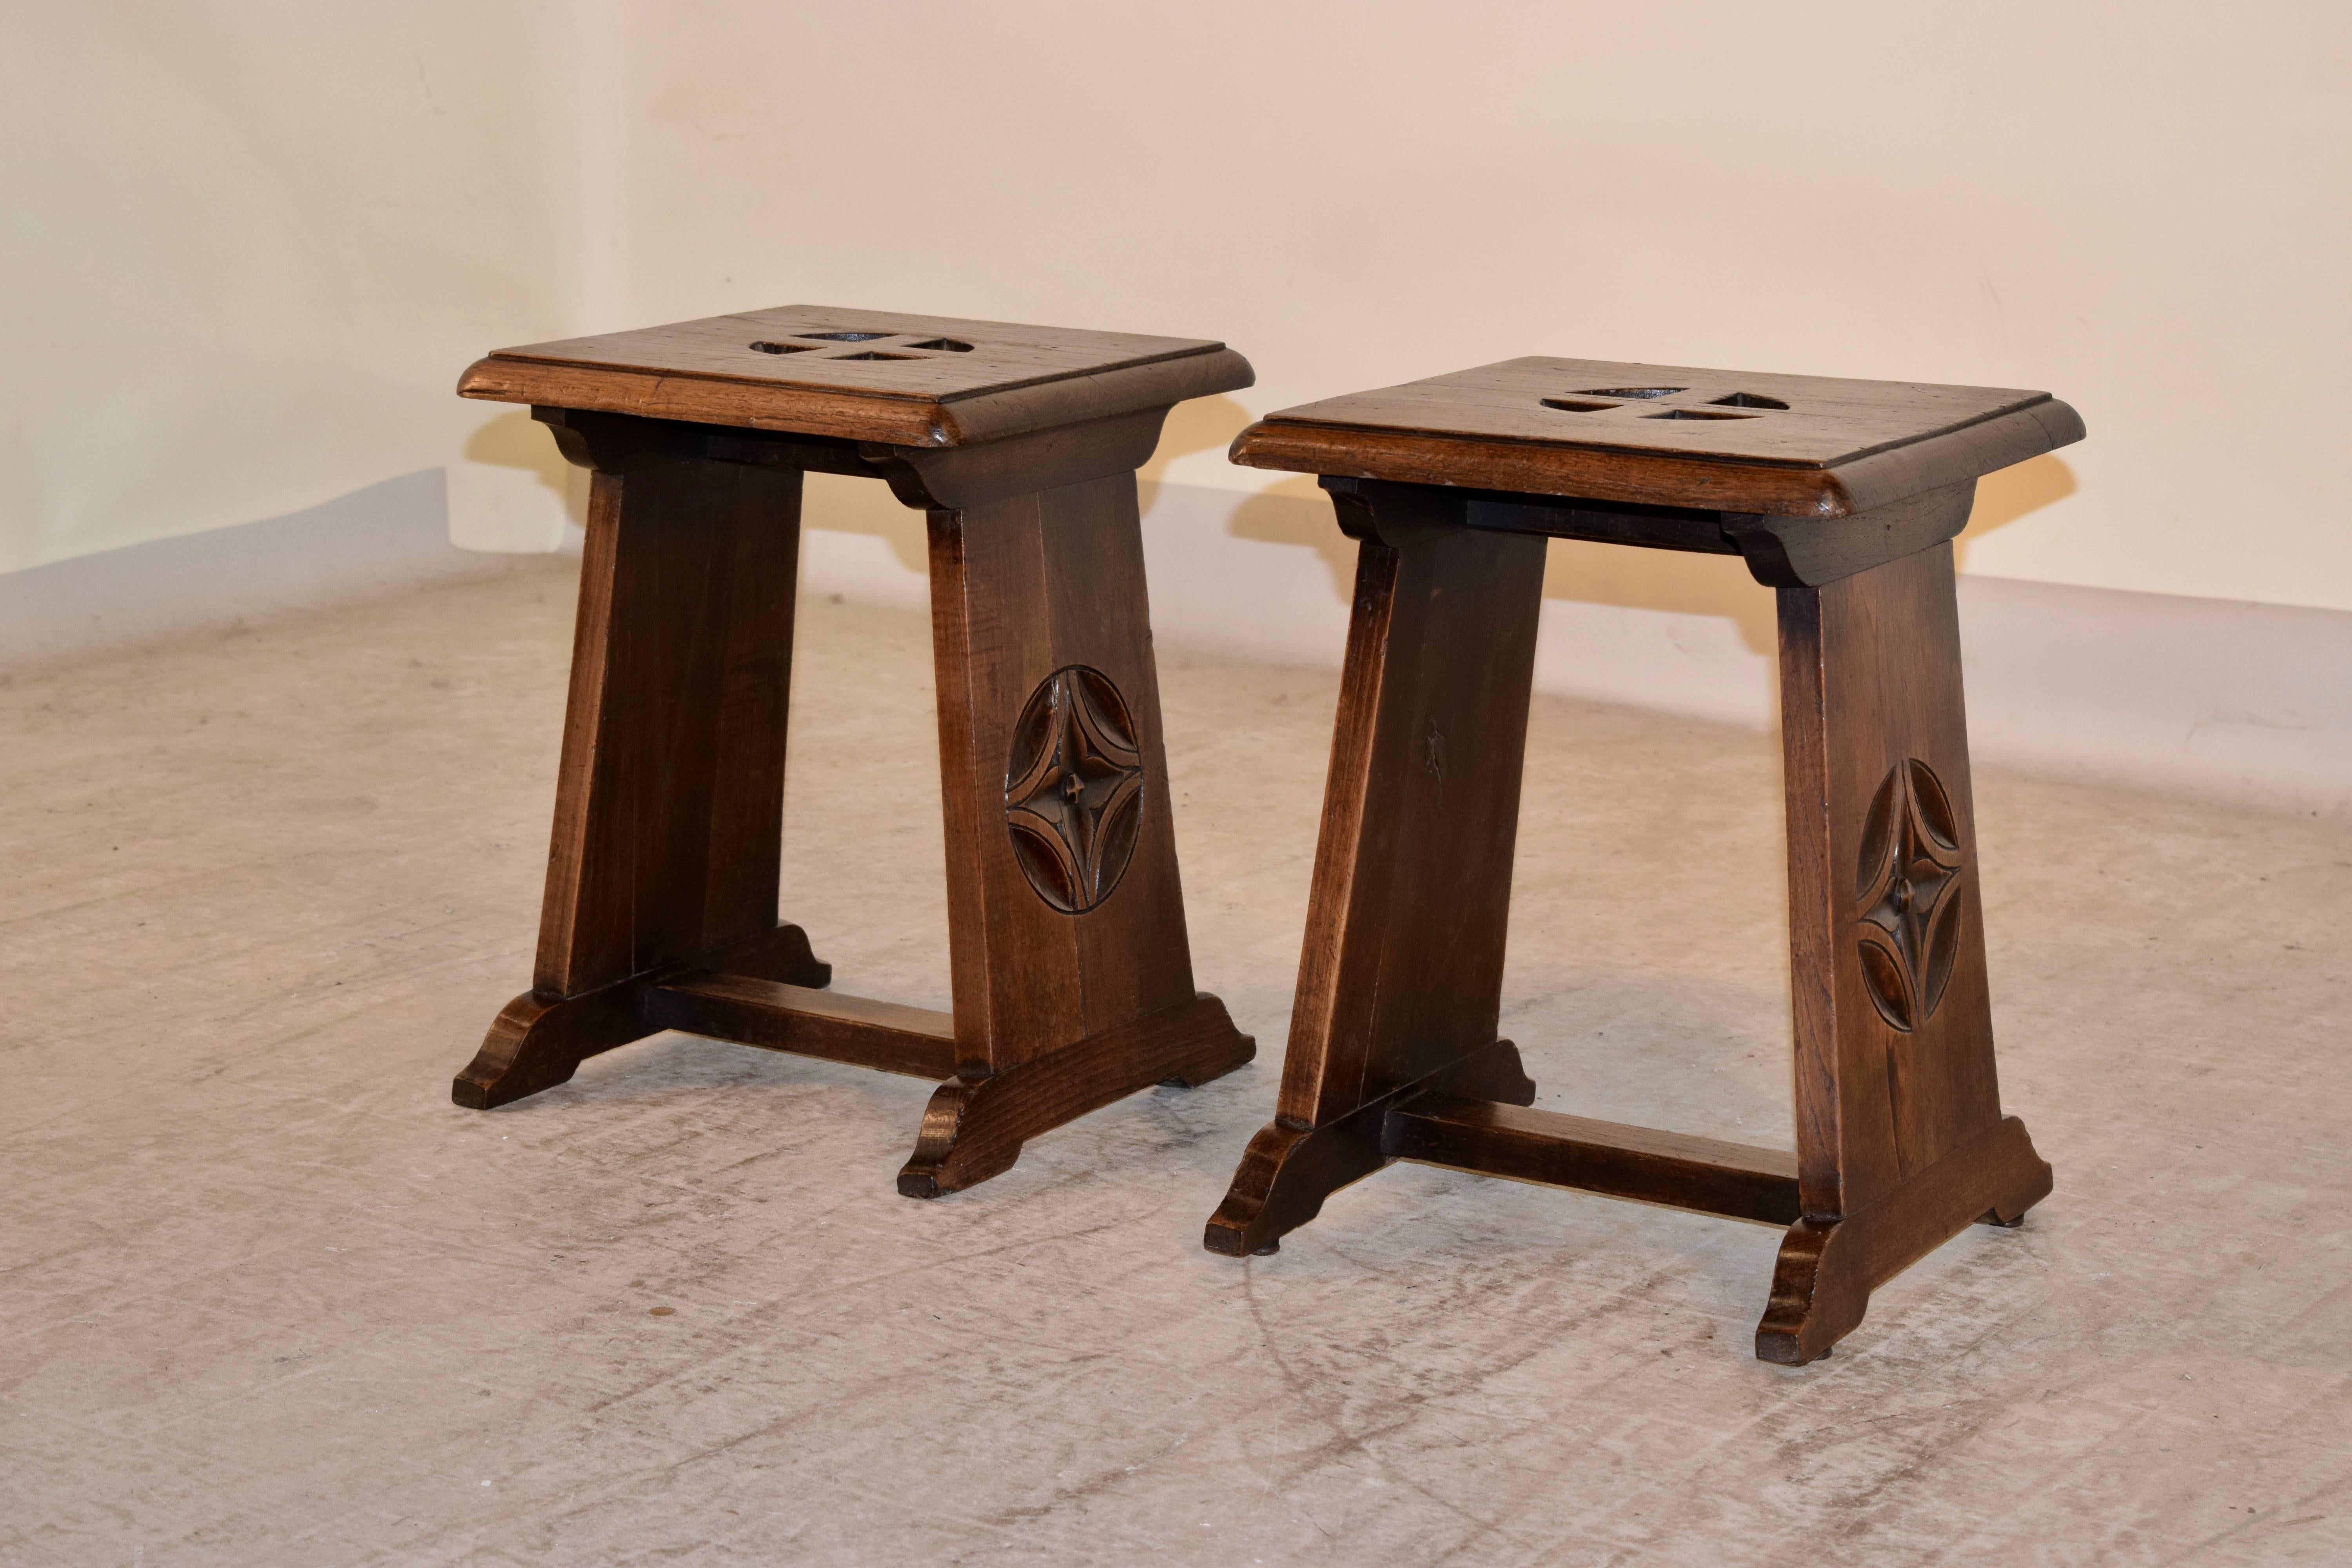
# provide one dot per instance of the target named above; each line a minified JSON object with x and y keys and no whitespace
{"x":868,"y":375}
{"x":1726,"y":440}
{"x":917,"y":1041}
{"x":1449,"y":485}
{"x":1021,"y":443}
{"x":1675,"y":1168}
{"x":974,"y":1127}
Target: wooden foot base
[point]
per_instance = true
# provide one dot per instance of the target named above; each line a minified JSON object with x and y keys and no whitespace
{"x":1289,"y":1169}
{"x":1828,"y":1268}
{"x":538,"y":1041}
{"x":1450,"y":488}
{"x":1472,"y":1116}
{"x":973,"y":1130}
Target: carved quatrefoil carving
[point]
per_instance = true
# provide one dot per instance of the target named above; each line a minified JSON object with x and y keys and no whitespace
{"x":1073,"y":789}
{"x":1908,"y":888}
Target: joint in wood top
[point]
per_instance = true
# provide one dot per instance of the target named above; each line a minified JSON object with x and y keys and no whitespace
{"x":1781,"y":552}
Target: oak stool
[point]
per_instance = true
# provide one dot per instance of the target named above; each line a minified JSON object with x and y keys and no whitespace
{"x":1842,"y":497}
{"x":1071,"y":973}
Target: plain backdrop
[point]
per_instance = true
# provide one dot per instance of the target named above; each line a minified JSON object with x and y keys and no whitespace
{"x":249,"y":246}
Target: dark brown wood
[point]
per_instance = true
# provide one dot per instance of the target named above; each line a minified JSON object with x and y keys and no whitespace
{"x":669,"y":794}
{"x":866,"y":376}
{"x":1843,"y":497}
{"x":1072,"y":974}
{"x":1411,"y":891}
{"x":961,"y":477}
{"x":776,"y":1016}
{"x":1671,"y":1168}
{"x":1290,"y":1167}
{"x":1020,"y":589}
{"x":540,"y":1040}
{"x":1898,"y":1104}
{"x":1571,"y":427}
{"x":1781,"y":552}
{"x":669,"y":797}
{"x":1402,"y":975}
{"x":974,"y":1128}
{"x":1829,"y":1266}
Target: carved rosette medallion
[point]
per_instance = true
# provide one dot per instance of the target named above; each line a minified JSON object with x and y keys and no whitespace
{"x":1073,"y":789}
{"x":1907,"y":892}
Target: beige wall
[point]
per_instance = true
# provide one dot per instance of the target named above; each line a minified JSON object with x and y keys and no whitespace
{"x":264,"y":240}
{"x":248,"y":248}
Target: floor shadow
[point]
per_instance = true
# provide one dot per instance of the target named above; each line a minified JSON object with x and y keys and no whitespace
{"x":1294,"y":511}
{"x":1203,"y":424}
{"x":846,"y":504}
{"x":514,"y":440}
{"x":2014,"y":492}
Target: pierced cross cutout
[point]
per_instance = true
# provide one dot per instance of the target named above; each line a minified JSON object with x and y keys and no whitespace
{"x":1666,"y":401}
{"x":862,"y":345}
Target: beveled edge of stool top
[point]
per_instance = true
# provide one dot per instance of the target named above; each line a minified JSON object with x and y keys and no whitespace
{"x":862,"y":375}
{"x":1733,"y":441}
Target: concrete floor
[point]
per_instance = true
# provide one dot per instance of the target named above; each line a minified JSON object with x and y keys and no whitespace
{"x":270,"y":1298}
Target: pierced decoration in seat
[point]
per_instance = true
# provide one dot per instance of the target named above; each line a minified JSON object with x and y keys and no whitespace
{"x":861,"y":345}
{"x":1630,"y":397}
{"x":1907,"y":890}
{"x":1073,"y":789}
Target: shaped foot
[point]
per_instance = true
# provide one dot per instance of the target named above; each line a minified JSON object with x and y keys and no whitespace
{"x":538,"y":1041}
{"x":1288,"y":1170}
{"x":973,"y":1129}
{"x":1828,"y":1268}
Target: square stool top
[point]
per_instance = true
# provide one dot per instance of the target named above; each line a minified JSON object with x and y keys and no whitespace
{"x":864,"y":375}
{"x":1735,"y":441}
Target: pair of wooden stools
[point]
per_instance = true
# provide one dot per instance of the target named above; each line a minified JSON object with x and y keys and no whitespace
{"x":1072,"y":977}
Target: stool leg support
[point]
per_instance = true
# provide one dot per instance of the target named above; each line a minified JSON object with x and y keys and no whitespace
{"x":1900,"y":1139}
{"x":974,"y":1130}
{"x":1287,"y":1171}
{"x":669,"y":800}
{"x":1056,"y":1011}
{"x":1399,"y":987}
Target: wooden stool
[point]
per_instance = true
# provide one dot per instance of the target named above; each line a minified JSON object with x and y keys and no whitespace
{"x":1073,"y":980}
{"x":1843,"y":497}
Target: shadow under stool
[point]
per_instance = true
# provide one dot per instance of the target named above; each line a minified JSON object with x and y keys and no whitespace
{"x":1071,"y":971}
{"x":1843,"y":498}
